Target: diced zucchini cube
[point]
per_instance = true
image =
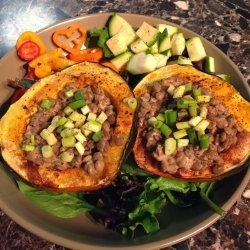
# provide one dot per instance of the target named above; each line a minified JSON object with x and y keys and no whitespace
{"x":148,"y":34}
{"x":117,"y":44}
{"x":138,"y":46}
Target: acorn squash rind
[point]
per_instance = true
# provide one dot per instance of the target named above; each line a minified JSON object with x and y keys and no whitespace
{"x":13,"y":125}
{"x":233,"y":158}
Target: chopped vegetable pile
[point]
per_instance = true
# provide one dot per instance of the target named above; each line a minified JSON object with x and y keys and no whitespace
{"x":191,"y":129}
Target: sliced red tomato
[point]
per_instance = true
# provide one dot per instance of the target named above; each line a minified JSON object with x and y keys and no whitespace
{"x":28,"y":51}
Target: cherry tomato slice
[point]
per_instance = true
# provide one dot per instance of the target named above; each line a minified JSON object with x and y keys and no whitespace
{"x":28,"y":51}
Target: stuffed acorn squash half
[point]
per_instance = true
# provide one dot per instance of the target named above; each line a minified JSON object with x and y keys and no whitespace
{"x":192,"y":126}
{"x":70,"y":131}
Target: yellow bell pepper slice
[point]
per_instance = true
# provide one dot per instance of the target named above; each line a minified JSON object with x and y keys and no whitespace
{"x":50,"y":62}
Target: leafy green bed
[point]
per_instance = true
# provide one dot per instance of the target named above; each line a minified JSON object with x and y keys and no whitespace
{"x":132,"y":201}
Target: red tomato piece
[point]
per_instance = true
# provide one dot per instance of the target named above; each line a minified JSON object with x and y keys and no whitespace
{"x":28,"y":51}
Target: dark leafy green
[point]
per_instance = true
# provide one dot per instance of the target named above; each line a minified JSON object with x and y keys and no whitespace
{"x":103,"y":36}
{"x":129,"y":203}
{"x":134,"y":171}
{"x":64,"y":205}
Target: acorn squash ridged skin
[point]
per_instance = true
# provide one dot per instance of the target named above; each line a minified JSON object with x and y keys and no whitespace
{"x":13,"y":125}
{"x":235,"y":157}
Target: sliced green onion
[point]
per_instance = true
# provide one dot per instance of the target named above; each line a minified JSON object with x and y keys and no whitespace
{"x":132,"y":102}
{"x":59,"y":129}
{"x":196,"y":92}
{"x":181,"y":104}
{"x":77,"y":104}
{"x":96,"y":137}
{"x":85,"y":110}
{"x":80,"y":148}
{"x":158,"y":124}
{"x":202,"y":125}
{"x":69,"y":93}
{"x":85,"y":131}
{"x":28,"y":148}
{"x":193,"y":110}
{"x":80,"y":137}
{"x":165,"y":130}
{"x":152,"y":121}
{"x":79,"y":95}
{"x":91,"y":116}
{"x":76,"y":117}
{"x":192,"y":136}
{"x":67,"y":156}
{"x":68,"y":110}
{"x":93,"y":126}
{"x":68,"y":141}
{"x":182,"y":143}
{"x":160,"y":117}
{"x":171,"y":117}
{"x":47,"y":151}
{"x":62,"y":121}
{"x":204,"y":141}
{"x":203,"y":112}
{"x":195,"y":120}
{"x":200,"y":133}
{"x":52,"y":127}
{"x":190,"y":102}
{"x":80,"y":122}
{"x":67,"y":132}
{"x":180,"y":134}
{"x":170,"y":146}
{"x":182,"y":125}
{"x":171,"y":89}
{"x":188,"y":87}
{"x":32,"y":140}
{"x":179,"y":91}
{"x":46,"y":104}
{"x":49,"y":137}
{"x":102,"y":118}
{"x":69,"y":124}
{"x":55,"y":119}
{"x":203,"y":98}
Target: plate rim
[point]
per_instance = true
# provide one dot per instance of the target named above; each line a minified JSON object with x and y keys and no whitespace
{"x":58,"y":239}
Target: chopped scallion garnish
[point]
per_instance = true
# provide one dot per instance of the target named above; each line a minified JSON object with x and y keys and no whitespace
{"x":46,"y":104}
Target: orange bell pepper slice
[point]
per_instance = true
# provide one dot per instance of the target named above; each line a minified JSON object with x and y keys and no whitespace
{"x":33,"y":37}
{"x":90,"y":54}
{"x":68,"y":34}
{"x":111,"y":65}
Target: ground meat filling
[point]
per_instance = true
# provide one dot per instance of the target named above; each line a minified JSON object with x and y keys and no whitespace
{"x":221,"y":131}
{"x":92,"y":144}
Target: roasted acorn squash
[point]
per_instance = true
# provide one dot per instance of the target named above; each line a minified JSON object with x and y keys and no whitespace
{"x":227,"y":95}
{"x":13,"y":125}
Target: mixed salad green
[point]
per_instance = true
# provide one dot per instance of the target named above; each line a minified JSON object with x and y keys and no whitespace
{"x":134,"y":199}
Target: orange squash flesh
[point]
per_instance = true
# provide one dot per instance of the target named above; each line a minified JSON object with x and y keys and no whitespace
{"x":227,"y":95}
{"x":13,"y":126}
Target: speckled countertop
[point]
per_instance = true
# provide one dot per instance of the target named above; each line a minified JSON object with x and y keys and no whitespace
{"x":225,"y":23}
